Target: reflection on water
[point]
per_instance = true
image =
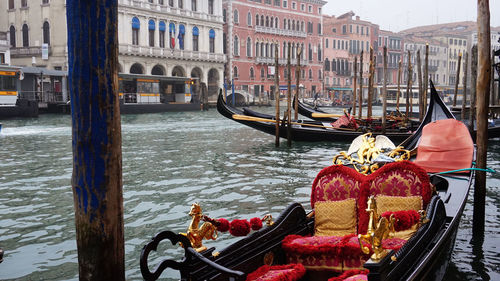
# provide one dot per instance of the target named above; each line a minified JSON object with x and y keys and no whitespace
{"x":171,"y":160}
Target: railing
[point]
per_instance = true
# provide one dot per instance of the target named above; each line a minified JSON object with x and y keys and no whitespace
{"x":27,"y":51}
{"x":165,"y":8}
{"x":43,"y":96}
{"x":129,"y":49}
{"x":282,"y":32}
{"x":281,"y":61}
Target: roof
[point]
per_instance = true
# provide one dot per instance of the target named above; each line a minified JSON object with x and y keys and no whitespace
{"x":44,"y":71}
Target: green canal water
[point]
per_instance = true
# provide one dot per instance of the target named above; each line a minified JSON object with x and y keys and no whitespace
{"x":171,"y":160}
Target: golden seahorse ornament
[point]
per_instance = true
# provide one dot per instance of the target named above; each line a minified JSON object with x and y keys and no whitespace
{"x":196,"y":233}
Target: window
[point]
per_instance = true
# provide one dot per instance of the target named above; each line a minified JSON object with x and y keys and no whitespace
{"x":235,"y":16}
{"x":319,"y":74}
{"x":249,"y":19}
{"x":294,"y":5}
{"x":160,"y":2}
{"x":12,"y":34}
{"x":171,"y":3}
{"x":162,"y":27}
{"x":26,"y":42}
{"x":151,"y":28}
{"x":171,"y":35}
{"x":334,"y":65}
{"x":224,"y":17}
{"x":180,"y":4}
{"x":236,"y":46}
{"x":46,"y":33}
{"x":285,"y":4}
{"x":249,"y":47}
{"x":310,"y":52}
{"x":367,"y":31}
{"x":261,"y":20}
{"x":196,"y":33}
{"x":224,"y":43}
{"x":327,"y":64}
{"x":262,"y":73}
{"x":350,"y":28}
{"x":302,"y":7}
{"x":277,"y":3}
{"x":310,"y":8}
{"x":211,"y":7}
{"x":235,"y":72}
{"x":267,"y":21}
{"x":11,"y":4}
{"x":320,"y":57}
{"x":211,"y":37}
{"x":310,"y":74}
{"x":257,"y":49}
{"x":24,"y":3}
{"x":333,"y":43}
{"x":326,"y":43}
{"x":194,"y":6}
{"x":319,"y":28}
{"x":150,"y":1}
{"x":344,"y":29}
{"x":135,"y":31}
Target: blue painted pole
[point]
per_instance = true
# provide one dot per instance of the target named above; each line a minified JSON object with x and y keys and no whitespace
{"x":96,"y":142}
{"x":232,"y":91}
{"x":225,"y":92}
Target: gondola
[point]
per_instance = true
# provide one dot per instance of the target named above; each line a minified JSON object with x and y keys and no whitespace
{"x":424,"y":256}
{"x":310,"y":130}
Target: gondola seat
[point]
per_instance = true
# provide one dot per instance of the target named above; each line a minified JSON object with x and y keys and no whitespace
{"x":339,"y":199}
{"x":288,"y":272}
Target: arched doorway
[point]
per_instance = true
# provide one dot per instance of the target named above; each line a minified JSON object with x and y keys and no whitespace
{"x":213,"y":82}
{"x":137,"y":68}
{"x":158,"y":70}
{"x":178,"y":71}
{"x":198,"y":74}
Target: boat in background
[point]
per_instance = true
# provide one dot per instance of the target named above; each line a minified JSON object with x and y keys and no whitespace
{"x":11,"y":103}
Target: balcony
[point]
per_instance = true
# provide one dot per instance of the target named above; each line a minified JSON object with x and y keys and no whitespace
{"x":281,"y":61}
{"x":281,"y":32}
{"x":165,"y":8}
{"x":133,"y":50}
{"x":30,"y":51}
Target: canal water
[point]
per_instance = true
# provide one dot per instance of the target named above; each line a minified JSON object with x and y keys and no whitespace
{"x":170,"y":161}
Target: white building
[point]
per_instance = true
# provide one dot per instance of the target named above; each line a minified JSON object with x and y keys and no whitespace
{"x":4,"y":49}
{"x":160,"y":37}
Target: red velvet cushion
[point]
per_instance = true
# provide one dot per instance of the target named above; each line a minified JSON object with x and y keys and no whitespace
{"x":355,"y":273}
{"x":393,"y":243}
{"x":288,"y":272}
{"x":312,"y":244}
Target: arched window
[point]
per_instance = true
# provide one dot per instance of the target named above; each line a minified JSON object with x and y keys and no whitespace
{"x":257,"y":50}
{"x":211,"y":40}
{"x":11,"y":4}
{"x":267,"y":21}
{"x":252,"y":74}
{"x":262,"y":73}
{"x":327,"y":64}
{"x":236,"y":45}
{"x":235,"y":16}
{"x":182,"y":32}
{"x":320,"y":54}
{"x":151,"y":28}
{"x":136,"y":25}
{"x":12,"y":31}
{"x":46,"y":33}
{"x":224,"y":17}
{"x":262,"y":20}
{"x":310,"y":52}
{"x":196,"y":33}
{"x":249,"y":47}
{"x":26,"y":41}
{"x":256,"y":19}
{"x":162,"y":27}
{"x":194,"y":5}
{"x":210,"y":7}
{"x":171,"y":34}
{"x":302,"y":26}
{"x":181,"y":4}
{"x":235,"y":72}
{"x":293,"y":24}
{"x":276,"y":23}
{"x":284,"y":23}
{"x":267,"y":50}
{"x":272,"y":22}
{"x":310,"y":74}
{"x":319,"y":74}
{"x":249,"y":19}
{"x":334,"y":65}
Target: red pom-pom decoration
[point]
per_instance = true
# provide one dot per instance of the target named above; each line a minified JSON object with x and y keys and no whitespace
{"x":223,"y":225}
{"x":404,"y":219}
{"x":239,"y":228}
{"x":256,"y":223}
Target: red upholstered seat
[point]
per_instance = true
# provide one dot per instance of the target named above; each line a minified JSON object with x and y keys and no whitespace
{"x":288,"y":272}
{"x":352,"y":275}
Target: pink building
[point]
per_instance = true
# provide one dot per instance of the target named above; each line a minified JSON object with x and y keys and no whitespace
{"x":394,"y":43}
{"x":344,"y":39}
{"x":252,"y":31}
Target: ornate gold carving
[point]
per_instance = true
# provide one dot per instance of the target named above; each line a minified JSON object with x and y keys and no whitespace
{"x":268,"y":218}
{"x":196,"y":234}
{"x":269,"y":258}
{"x":378,"y":229}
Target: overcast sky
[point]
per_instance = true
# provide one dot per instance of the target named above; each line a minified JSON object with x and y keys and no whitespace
{"x":397,"y":15}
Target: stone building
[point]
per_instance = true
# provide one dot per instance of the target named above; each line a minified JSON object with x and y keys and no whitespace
{"x":394,"y":44}
{"x":157,"y":37}
{"x":254,"y":29}
{"x":4,"y":49}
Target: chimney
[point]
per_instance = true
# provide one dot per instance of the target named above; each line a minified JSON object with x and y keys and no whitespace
{"x":357,"y":17}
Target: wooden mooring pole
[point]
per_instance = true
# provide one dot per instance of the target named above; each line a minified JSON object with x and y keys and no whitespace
{"x":371,"y":77}
{"x":464,"y":100}
{"x":409,"y":92}
{"x":354,"y":86}
{"x":420,"y":88}
{"x":289,"y":98}
{"x":398,"y":93}
{"x":426,"y":77}
{"x":457,"y":79}
{"x":360,"y":112}
{"x":384,"y":93}
{"x":473,"y":70}
{"x":96,"y":138}
{"x":297,"y":81}
{"x":482,"y":97}
{"x":277,"y":93}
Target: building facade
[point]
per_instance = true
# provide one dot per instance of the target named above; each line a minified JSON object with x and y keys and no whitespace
{"x":157,"y":37}
{"x":394,"y":44}
{"x":255,"y":29}
{"x":4,"y":49}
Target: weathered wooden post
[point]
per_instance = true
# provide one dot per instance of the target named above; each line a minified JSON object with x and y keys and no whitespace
{"x":483,"y":95}
{"x":420,"y":90}
{"x":426,"y":77}
{"x":277,"y":93}
{"x":370,"y":85}
{"x":398,"y":93}
{"x":360,"y":112}
{"x":384,"y":93}
{"x":354,"y":86}
{"x":289,"y":98}
{"x":464,"y":100}
{"x":473,"y":70}
{"x":297,"y":81}
{"x":409,"y":92}
{"x":457,"y":80}
{"x":96,"y":138}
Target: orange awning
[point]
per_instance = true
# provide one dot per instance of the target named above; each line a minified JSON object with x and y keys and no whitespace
{"x":445,"y":145}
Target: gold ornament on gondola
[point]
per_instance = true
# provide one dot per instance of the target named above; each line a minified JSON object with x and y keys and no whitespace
{"x":368,"y":149}
{"x":196,"y":233}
